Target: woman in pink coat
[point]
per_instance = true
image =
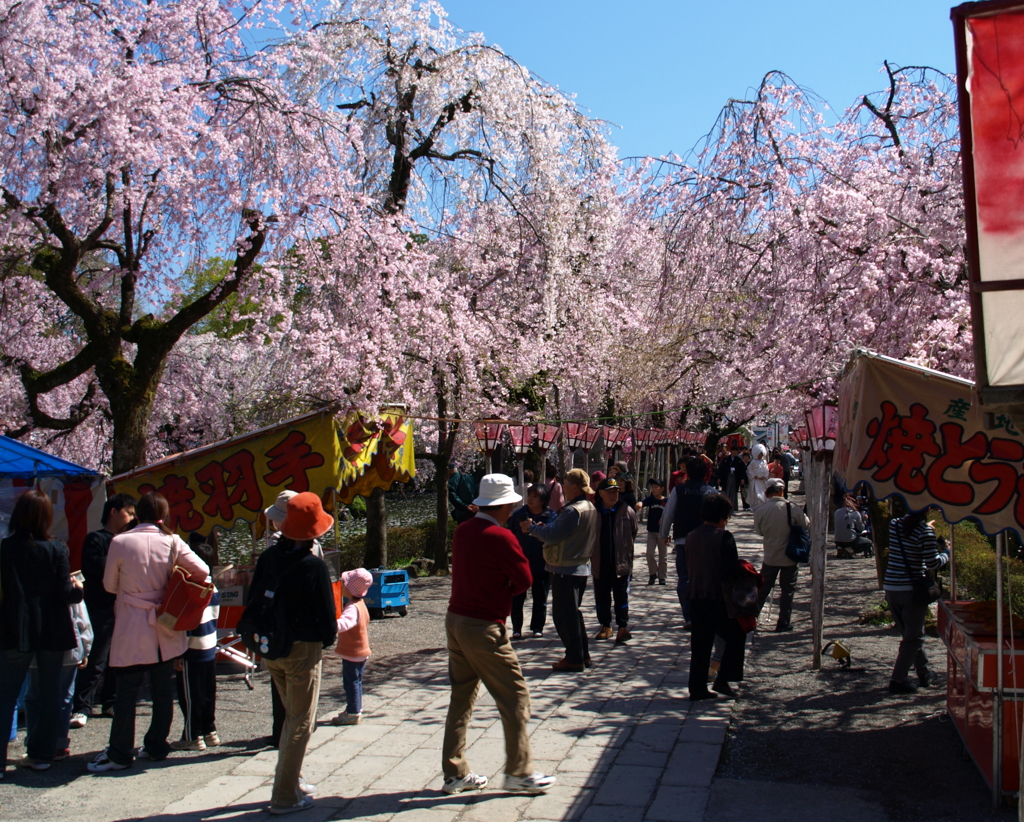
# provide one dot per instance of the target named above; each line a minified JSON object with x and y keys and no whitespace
{"x":139,"y":566}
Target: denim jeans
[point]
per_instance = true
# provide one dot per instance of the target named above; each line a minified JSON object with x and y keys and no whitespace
{"x":909,"y":618}
{"x":352,"y":679}
{"x":566,"y":595}
{"x":34,"y":706}
{"x":121,"y":748}
{"x":14,"y":667}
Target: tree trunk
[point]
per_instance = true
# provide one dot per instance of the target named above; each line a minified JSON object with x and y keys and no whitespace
{"x":130,"y":409}
{"x":376,"y":555}
{"x":441,"y":534}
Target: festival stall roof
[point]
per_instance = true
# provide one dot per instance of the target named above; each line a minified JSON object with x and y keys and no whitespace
{"x":20,"y":461}
{"x":77,"y":492}
{"x":218,"y":484}
{"x":920,"y":434}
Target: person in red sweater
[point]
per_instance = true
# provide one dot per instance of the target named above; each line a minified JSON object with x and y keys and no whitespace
{"x":488,"y":569}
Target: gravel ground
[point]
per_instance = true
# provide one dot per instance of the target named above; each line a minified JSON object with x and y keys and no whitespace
{"x":842,"y":728}
{"x":243,"y":718}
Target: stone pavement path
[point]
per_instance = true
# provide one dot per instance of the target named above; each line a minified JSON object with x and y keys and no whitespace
{"x":623,"y":740}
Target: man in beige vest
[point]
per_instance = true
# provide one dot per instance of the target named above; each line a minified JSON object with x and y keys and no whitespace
{"x":568,"y":544}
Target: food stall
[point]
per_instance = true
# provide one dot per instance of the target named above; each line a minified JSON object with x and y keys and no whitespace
{"x":333,"y":454}
{"x":921,"y":435}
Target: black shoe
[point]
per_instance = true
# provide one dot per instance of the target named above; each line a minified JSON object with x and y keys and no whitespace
{"x":723,"y":688}
{"x":925,"y":680}
{"x":697,"y":697}
{"x":651,"y":580}
{"x":588,"y":662}
{"x":781,"y":629}
{"x":661,"y":582}
{"x":904,"y":687}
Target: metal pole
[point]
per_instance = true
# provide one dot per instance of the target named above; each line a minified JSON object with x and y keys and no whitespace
{"x":522,"y":479}
{"x":997,"y":702}
{"x":952,"y":565}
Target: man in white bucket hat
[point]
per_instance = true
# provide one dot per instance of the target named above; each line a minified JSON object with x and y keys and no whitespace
{"x":488,"y":569}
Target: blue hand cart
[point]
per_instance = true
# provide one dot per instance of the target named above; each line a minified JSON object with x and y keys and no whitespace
{"x":389,"y":593}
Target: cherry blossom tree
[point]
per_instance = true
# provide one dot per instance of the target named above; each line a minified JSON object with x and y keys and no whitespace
{"x":142,"y":140}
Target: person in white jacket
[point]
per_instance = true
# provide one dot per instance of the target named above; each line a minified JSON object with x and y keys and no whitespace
{"x":74,"y":659}
{"x":757,"y":476}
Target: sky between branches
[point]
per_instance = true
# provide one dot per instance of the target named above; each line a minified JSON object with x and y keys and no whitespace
{"x":662,"y":69}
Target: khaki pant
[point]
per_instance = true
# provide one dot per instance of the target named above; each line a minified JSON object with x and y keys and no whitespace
{"x":479,"y":650}
{"x":657,"y":556}
{"x":297,"y":679}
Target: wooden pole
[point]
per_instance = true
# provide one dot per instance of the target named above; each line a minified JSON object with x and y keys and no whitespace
{"x":817,"y":497}
{"x":997,"y":702}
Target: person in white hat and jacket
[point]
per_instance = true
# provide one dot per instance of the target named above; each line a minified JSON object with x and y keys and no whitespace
{"x":488,"y":569}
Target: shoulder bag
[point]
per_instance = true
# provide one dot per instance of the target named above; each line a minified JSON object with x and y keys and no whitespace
{"x":798,"y":548}
{"x":184,"y":600}
{"x":927,"y":588}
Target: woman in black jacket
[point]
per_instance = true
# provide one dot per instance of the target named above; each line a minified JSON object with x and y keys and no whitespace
{"x":300,"y":580}
{"x":35,"y":620}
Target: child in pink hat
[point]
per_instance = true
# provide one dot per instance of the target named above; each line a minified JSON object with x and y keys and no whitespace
{"x":353,"y":643}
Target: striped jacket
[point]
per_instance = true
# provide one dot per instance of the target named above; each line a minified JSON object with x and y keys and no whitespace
{"x":202,"y":642}
{"x":921,"y":550}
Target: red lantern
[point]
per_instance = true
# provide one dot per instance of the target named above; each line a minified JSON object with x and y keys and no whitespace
{"x":575,"y":435}
{"x":822,"y":428}
{"x":489,"y":435}
{"x":522,"y":439}
{"x":591,"y":435}
{"x":546,"y":436}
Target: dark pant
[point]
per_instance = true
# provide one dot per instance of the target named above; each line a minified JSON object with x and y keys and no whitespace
{"x":34,"y":706}
{"x":683,"y":582}
{"x":277,"y":709}
{"x":710,"y":618}
{"x":352,"y":679}
{"x":786,"y":575}
{"x":566,"y":595}
{"x":121,"y":748}
{"x":732,"y":490}
{"x":197,"y":696}
{"x":606,"y":587}
{"x":909,"y":618}
{"x":93,"y":685}
{"x":14,"y":667}
{"x":539,"y":592}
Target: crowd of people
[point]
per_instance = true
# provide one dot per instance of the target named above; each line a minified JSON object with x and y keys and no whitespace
{"x":81,"y":645}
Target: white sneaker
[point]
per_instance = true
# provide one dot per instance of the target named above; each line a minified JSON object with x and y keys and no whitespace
{"x":536,"y":782}
{"x":196,"y":744}
{"x":212,"y":739}
{"x":303,"y":804}
{"x":345,"y":718}
{"x":470,"y":782}
{"x":104,"y":763}
{"x":78,"y":720}
{"x":306,"y":788}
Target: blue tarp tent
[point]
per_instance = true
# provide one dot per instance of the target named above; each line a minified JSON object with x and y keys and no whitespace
{"x":78,"y":493}
{"x":20,"y":461}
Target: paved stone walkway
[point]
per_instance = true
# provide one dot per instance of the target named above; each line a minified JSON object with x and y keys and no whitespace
{"x":624,"y":741}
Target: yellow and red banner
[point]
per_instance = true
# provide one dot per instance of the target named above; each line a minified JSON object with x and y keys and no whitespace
{"x":919,"y":434}
{"x":237,"y":479}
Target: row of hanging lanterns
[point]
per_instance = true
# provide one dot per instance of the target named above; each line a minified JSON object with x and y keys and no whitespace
{"x":578,"y":435}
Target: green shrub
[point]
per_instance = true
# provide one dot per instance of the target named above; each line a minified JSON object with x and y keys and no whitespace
{"x":358,"y":508}
{"x":975,"y":564}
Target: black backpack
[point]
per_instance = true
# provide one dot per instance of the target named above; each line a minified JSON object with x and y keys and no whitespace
{"x":265,"y":626}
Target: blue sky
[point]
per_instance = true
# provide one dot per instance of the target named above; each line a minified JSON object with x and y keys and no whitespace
{"x":662,"y":70}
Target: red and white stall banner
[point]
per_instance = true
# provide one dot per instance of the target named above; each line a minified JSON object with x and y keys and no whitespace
{"x":919,"y":434}
{"x":990,"y":66}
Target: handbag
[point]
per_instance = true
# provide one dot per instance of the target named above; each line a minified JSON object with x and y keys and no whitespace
{"x":184,"y":600}
{"x":798,"y":548}
{"x":927,"y":588}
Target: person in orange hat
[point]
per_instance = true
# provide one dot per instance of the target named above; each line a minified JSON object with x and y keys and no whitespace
{"x":300,"y":581}
{"x":353,"y":643}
